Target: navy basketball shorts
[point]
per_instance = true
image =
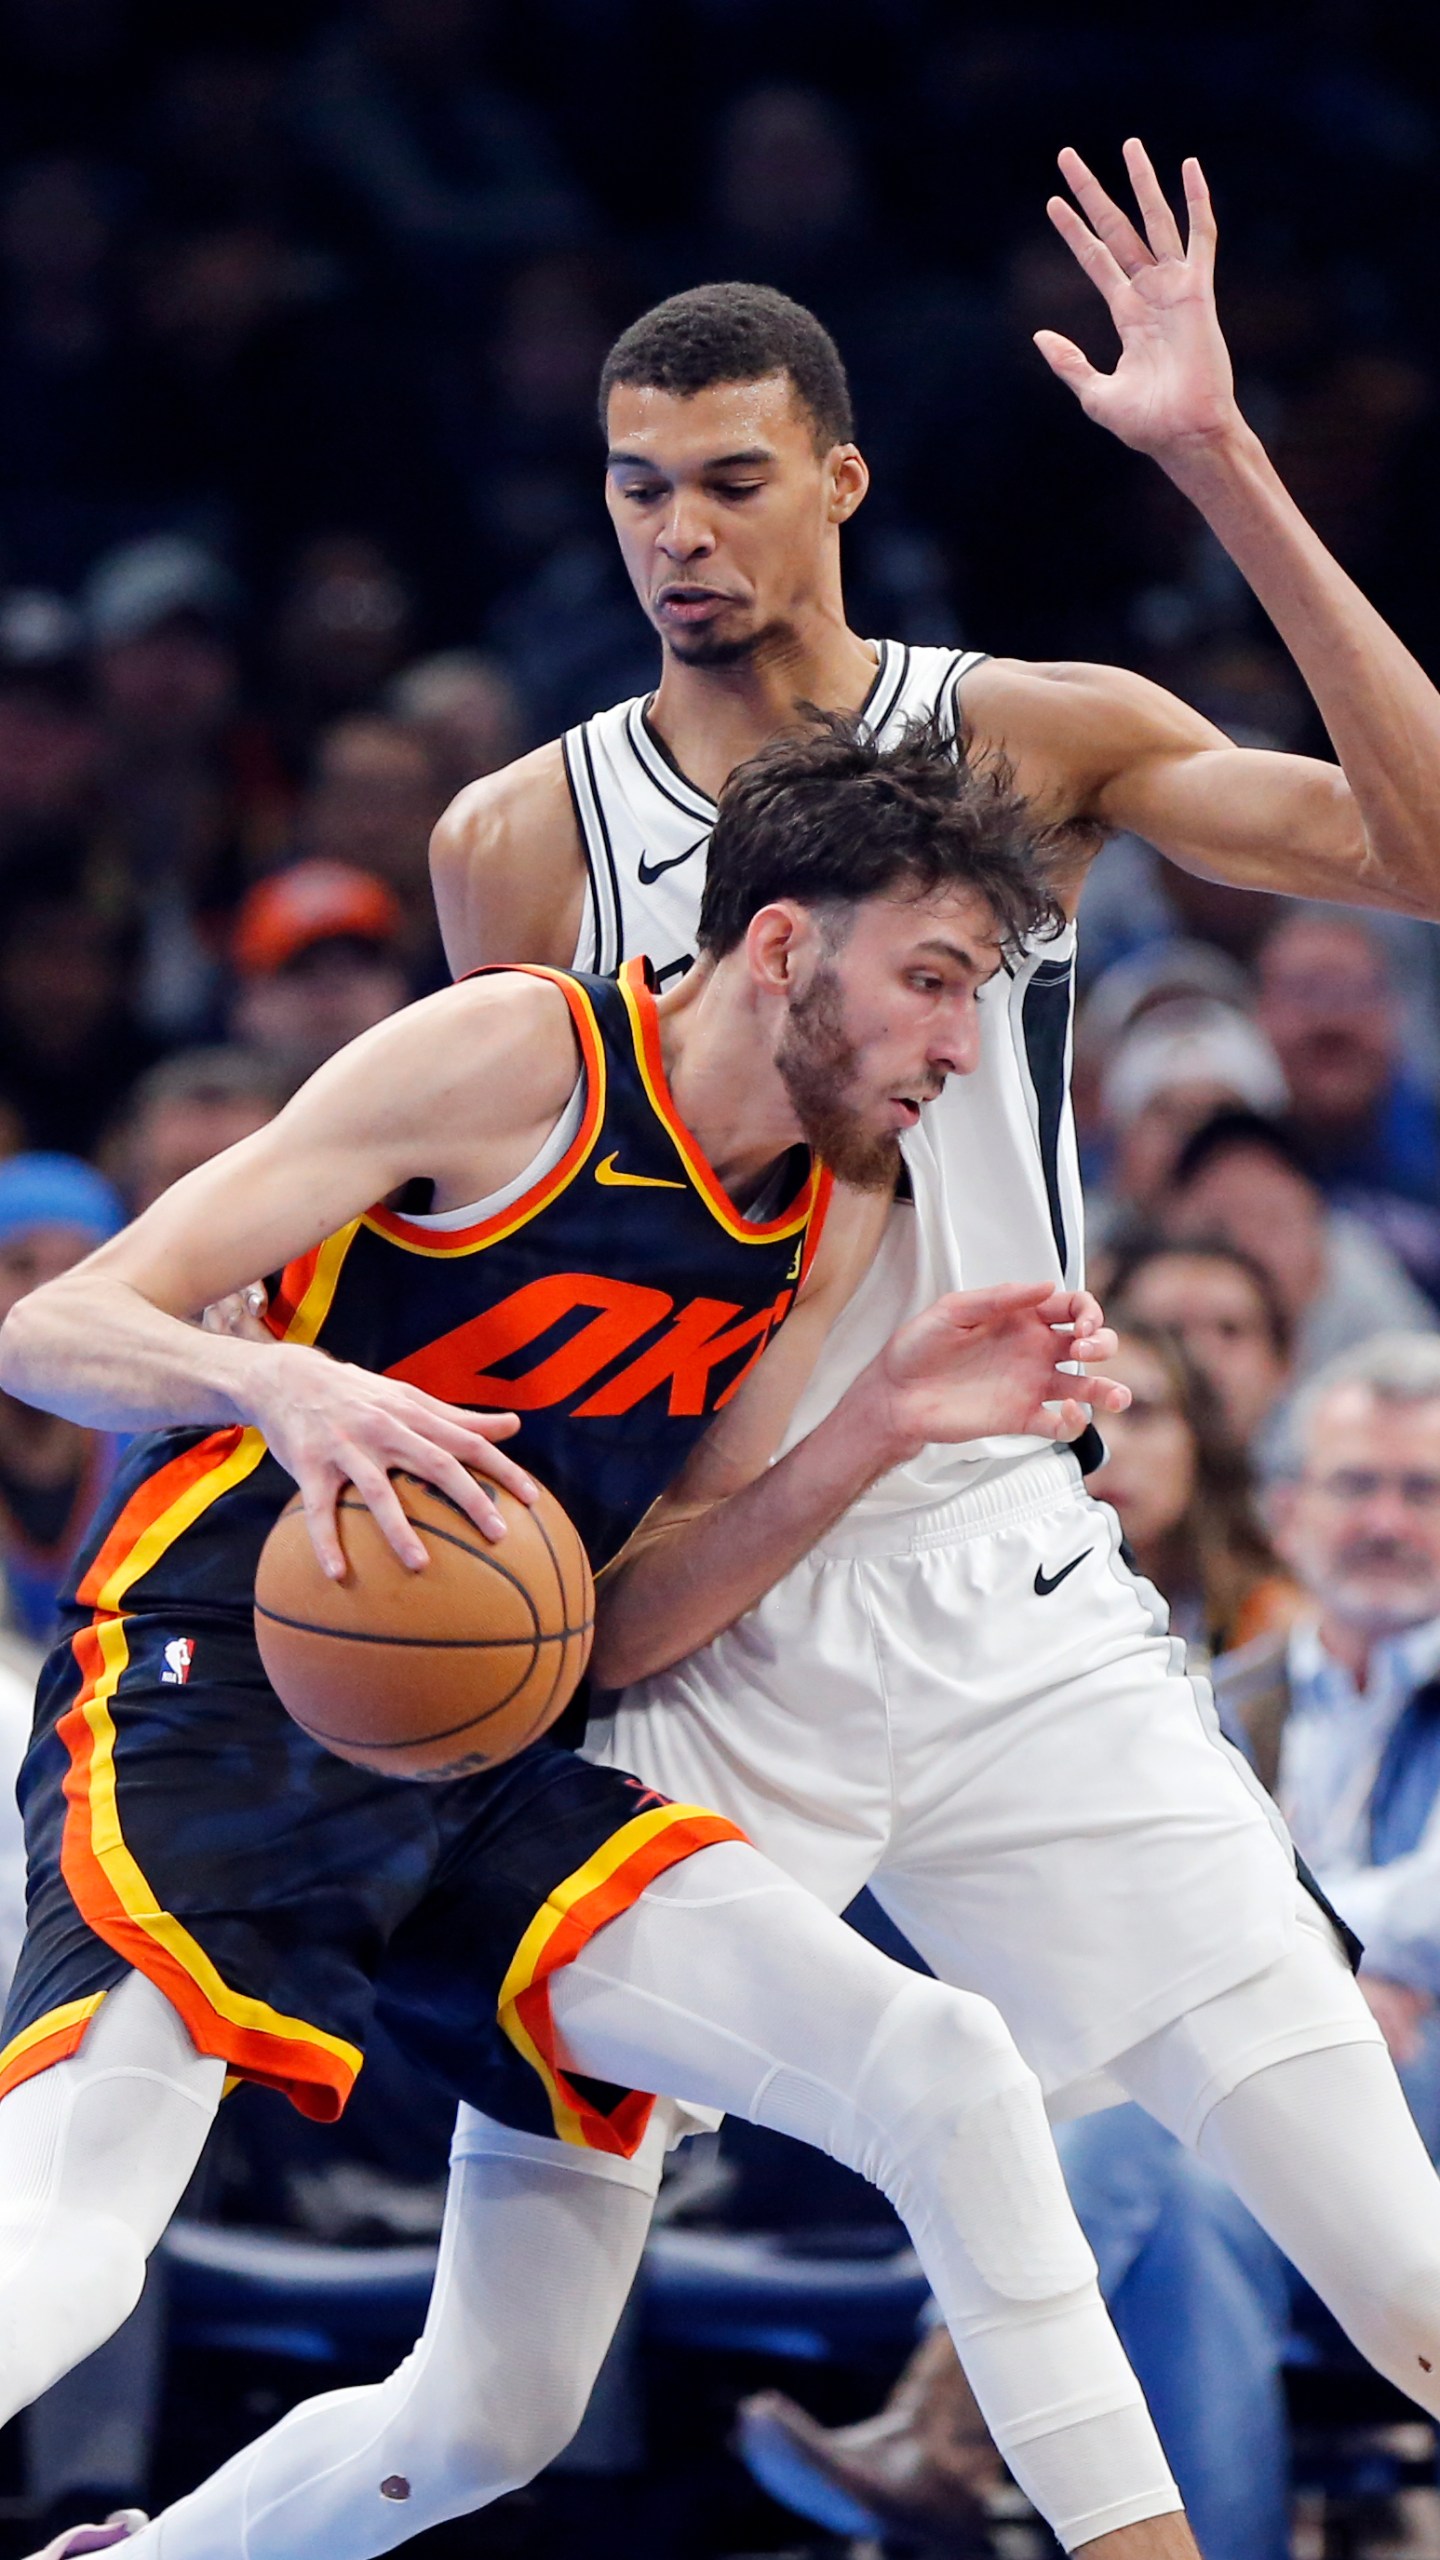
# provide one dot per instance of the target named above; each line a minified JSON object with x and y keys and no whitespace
{"x":179,"y":1823}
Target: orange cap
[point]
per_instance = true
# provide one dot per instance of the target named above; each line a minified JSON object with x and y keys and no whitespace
{"x":311,"y":902}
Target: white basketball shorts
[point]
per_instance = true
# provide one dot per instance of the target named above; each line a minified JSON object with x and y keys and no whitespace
{"x":979,"y":1712}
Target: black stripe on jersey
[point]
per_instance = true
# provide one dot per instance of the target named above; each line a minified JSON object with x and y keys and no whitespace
{"x":595,"y":835}
{"x":659,"y":764}
{"x":891,"y":677}
{"x":966,"y":660}
{"x":1045,"y":1018}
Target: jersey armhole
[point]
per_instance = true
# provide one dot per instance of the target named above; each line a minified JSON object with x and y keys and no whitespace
{"x":601,"y":917}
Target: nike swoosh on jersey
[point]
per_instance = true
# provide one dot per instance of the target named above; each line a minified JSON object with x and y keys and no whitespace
{"x":650,"y":871}
{"x":1045,"y":1582}
{"x":608,"y":1173}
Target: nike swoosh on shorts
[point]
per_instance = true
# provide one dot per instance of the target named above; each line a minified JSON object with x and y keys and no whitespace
{"x":1045,"y":1582}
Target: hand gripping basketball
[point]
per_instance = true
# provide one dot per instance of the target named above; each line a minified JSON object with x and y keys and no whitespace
{"x":331,"y":1425}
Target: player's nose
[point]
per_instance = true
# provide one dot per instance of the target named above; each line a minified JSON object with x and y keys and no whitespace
{"x":956,"y":1051}
{"x":685,"y":533}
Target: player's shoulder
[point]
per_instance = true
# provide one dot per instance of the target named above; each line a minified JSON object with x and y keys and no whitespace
{"x":506,"y":1035}
{"x":525,"y":802}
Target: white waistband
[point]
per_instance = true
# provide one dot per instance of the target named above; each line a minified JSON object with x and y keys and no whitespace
{"x":1036,"y":1482}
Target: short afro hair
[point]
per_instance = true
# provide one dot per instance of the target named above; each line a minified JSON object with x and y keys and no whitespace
{"x":828,"y":815}
{"x":734,"y":333}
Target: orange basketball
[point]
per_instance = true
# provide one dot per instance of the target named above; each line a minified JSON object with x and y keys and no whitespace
{"x":431,"y":1674}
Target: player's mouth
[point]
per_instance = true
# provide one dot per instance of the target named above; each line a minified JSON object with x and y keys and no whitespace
{"x":906,"y":1110}
{"x":686,"y":607}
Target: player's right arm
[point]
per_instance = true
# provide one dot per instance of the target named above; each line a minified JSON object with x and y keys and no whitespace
{"x":508,"y":868}
{"x":113,"y":1343}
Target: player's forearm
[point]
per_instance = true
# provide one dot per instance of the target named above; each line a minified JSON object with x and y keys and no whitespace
{"x":1379,"y":707}
{"x":98,"y":1352}
{"x":677,"y":1593}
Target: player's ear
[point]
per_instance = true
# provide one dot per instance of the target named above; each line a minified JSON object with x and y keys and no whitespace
{"x":772,"y":945}
{"x":849,"y":480}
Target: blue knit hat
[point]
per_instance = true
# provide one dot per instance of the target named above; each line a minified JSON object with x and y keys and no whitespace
{"x":57,"y":1191}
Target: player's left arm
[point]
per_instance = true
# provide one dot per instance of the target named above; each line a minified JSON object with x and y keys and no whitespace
{"x":1365,"y":832}
{"x":979,"y":1361}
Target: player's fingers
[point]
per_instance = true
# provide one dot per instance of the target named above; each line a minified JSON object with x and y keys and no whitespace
{"x":1109,"y":219}
{"x":1064,"y":1420}
{"x":1100,"y":264}
{"x":1107,"y":1395}
{"x":968,"y":1307}
{"x":1102,"y":1344}
{"x":425,"y":1458}
{"x":1161,"y":228}
{"x":1064,"y":358}
{"x":379,"y":1496}
{"x":1200,"y":218}
{"x":471,"y":1437}
{"x":318,"y":1493}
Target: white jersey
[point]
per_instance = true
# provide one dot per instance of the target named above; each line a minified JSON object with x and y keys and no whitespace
{"x":993,"y":1167}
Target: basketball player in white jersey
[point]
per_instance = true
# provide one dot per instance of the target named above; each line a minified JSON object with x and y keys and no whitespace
{"x":956,"y":1690}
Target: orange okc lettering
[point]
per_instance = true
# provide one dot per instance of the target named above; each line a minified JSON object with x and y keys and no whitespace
{"x":685,"y":1355}
{"x":456,"y":1368}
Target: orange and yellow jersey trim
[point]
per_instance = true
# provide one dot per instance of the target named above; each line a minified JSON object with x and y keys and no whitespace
{"x":107,"y":1883}
{"x":608,"y":1883}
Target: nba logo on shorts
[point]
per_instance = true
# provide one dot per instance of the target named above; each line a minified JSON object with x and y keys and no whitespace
{"x":179,"y":1654}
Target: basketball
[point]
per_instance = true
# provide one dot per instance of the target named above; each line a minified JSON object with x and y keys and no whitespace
{"x":432,"y":1674}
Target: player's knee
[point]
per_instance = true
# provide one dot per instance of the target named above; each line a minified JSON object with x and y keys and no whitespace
{"x":968,"y":2146}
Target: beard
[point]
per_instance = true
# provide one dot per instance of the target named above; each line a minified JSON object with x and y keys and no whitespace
{"x":816,"y":1062}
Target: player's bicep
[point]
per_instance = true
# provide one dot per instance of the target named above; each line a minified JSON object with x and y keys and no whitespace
{"x":1252,"y":816}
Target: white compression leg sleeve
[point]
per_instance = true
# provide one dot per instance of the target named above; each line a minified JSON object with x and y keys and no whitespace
{"x":95,"y":2154}
{"x":537,"y":2258}
{"x":1320,"y":2145}
{"x":728,"y":1985}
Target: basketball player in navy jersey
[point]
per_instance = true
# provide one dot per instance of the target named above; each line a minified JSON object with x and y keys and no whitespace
{"x":958,"y":1692}
{"x":600,"y":1207}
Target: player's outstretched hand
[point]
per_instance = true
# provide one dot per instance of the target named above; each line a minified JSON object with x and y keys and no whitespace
{"x":331,"y":1425}
{"x":1172,"y":387}
{"x":987,"y":1360}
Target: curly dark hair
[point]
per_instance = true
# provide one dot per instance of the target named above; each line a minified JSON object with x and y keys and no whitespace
{"x":828,"y":816}
{"x":734,"y":333}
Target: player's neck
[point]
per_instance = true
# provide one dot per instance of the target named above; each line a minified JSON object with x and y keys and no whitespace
{"x":711,"y":718}
{"x":722,"y":1082}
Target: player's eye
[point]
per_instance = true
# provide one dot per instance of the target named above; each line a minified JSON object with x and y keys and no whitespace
{"x":738,"y":488}
{"x":641,"y":492}
{"x":925,"y":982}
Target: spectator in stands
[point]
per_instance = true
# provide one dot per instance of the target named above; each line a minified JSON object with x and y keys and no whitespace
{"x":49,"y":737}
{"x":1226,"y":1311}
{"x":1244,"y":1180}
{"x":466,"y":712}
{"x":185,"y":1110}
{"x":69,"y":1043}
{"x":1172,"y":1071}
{"x":193,"y":795}
{"x":53,"y":1211}
{"x":372,"y":801}
{"x":343,"y":629}
{"x":317,"y":955}
{"x":1331,"y":1006}
{"x":1181,"y":1486}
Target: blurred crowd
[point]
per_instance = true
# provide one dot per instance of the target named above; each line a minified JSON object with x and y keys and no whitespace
{"x":301,"y":313}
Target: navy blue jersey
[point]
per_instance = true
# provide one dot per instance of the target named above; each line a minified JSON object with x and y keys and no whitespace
{"x":614,"y":1306}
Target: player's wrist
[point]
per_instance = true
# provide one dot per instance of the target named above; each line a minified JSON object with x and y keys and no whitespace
{"x":1223,"y":459}
{"x":874,"y":1423}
